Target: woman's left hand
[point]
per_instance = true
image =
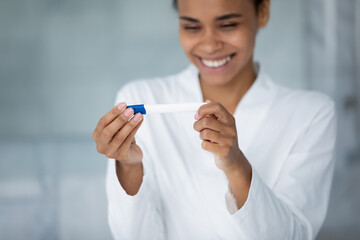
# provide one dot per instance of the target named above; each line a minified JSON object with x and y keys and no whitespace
{"x":218,"y":131}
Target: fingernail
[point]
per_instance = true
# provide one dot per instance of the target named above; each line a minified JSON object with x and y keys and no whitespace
{"x":137,"y":117}
{"x":128,"y":112}
{"x":121,"y":106}
{"x":196,"y":116}
{"x":208,"y":101}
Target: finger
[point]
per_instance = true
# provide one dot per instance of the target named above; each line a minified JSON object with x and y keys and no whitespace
{"x":216,"y":149}
{"x":130,"y":139}
{"x":214,"y":137}
{"x":216,"y":109}
{"x":210,"y":123}
{"x":109,"y":117}
{"x":124,"y":132}
{"x":210,"y":147}
{"x":109,"y":132}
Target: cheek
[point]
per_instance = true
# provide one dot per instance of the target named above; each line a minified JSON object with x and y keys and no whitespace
{"x":188,"y":46}
{"x":184,"y":41}
{"x":188,"y":43}
{"x":244,"y":40}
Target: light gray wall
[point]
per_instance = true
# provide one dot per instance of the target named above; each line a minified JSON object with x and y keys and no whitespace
{"x":334,"y":62}
{"x":63,"y":61}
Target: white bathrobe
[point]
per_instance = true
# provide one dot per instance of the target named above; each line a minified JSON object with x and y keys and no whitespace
{"x":288,"y":137}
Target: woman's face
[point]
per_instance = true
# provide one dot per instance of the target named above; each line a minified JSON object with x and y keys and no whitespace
{"x":218,"y":36}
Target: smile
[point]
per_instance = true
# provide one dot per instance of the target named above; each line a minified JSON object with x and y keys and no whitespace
{"x":216,"y":63}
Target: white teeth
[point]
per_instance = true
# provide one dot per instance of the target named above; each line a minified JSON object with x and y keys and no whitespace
{"x":215,"y":64}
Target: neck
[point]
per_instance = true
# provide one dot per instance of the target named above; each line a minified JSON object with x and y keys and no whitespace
{"x":230,"y":93}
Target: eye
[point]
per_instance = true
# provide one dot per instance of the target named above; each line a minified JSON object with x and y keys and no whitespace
{"x":229,"y":25}
{"x":191,"y":28}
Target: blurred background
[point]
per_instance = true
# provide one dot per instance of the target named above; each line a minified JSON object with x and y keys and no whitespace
{"x":62,"y":62}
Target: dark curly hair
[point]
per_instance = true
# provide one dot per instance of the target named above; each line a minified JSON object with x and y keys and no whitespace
{"x":256,"y":2}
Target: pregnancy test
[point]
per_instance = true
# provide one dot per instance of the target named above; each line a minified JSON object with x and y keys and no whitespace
{"x":165,"y":108}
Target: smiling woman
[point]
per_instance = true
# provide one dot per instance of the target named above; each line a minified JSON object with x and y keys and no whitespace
{"x":219,"y":39}
{"x":248,"y":167}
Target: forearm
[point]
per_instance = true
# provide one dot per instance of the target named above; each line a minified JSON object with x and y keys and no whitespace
{"x":239,"y":181}
{"x":130,"y":176}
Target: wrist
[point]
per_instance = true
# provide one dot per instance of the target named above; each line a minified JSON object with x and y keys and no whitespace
{"x":239,"y":182}
{"x":239,"y":165}
{"x":237,"y":171}
{"x":127,"y":167}
{"x":240,"y":174}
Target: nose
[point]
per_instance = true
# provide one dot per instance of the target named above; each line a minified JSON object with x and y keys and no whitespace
{"x":211,"y":42}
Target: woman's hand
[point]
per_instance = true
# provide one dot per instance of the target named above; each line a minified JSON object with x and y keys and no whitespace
{"x":115,"y":135}
{"x":218,"y":131}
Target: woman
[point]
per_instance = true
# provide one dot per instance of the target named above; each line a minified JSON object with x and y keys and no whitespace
{"x":266,"y":148}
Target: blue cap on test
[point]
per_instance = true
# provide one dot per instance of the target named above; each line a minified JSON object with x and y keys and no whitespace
{"x":138,"y":108}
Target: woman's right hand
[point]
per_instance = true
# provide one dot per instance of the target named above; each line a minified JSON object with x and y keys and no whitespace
{"x":115,"y":135}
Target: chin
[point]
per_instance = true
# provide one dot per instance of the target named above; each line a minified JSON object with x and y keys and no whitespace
{"x":215,"y":79}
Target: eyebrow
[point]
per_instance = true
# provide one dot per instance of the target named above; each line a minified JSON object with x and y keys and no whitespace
{"x":228,"y":16}
{"x":223,"y":17}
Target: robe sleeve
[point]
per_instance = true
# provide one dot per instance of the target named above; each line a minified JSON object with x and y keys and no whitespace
{"x":138,"y":216}
{"x":296,"y":207}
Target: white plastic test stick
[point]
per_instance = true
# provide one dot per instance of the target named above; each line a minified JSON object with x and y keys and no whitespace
{"x":165,"y":108}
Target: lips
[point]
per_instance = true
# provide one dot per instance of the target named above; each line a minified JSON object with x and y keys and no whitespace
{"x":216,"y":63}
